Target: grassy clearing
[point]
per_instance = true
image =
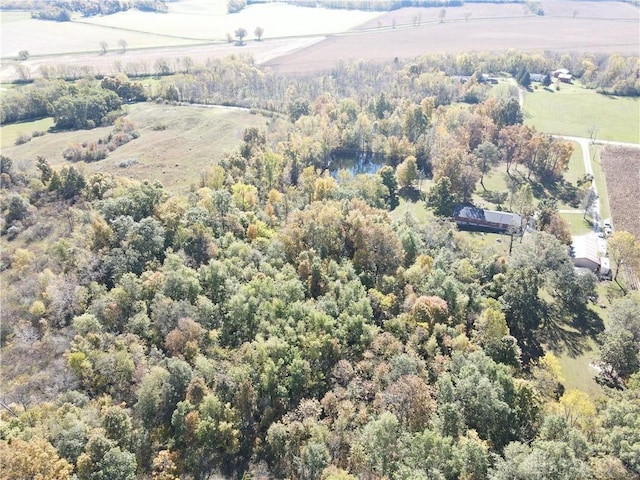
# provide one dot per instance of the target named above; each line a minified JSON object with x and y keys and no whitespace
{"x":199,"y":21}
{"x":573,"y":110}
{"x":577,"y":224}
{"x":601,"y":184}
{"x":9,"y":133}
{"x":576,"y":165}
{"x":417,"y":209}
{"x":579,"y":372}
{"x":176,"y":143}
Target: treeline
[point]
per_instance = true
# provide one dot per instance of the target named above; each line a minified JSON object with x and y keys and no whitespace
{"x":382,"y":5}
{"x":217,"y":81}
{"x":61,"y":10}
{"x":85,"y":104}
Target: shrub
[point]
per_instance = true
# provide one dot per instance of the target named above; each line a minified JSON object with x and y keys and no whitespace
{"x":22,"y":138}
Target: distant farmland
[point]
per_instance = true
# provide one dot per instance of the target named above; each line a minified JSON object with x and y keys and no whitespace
{"x":307,"y":40}
{"x":605,"y":27}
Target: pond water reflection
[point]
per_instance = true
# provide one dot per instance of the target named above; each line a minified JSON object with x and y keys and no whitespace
{"x":355,"y":163}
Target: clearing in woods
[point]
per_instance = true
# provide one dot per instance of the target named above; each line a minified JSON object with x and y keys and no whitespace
{"x":176,"y":143}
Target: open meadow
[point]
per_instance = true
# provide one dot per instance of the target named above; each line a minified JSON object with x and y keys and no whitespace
{"x":176,"y":143}
{"x":574,"y":110}
{"x":196,"y":28}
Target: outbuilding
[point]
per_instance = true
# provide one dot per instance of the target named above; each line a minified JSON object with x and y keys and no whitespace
{"x":469,"y":217}
{"x":585,"y":253}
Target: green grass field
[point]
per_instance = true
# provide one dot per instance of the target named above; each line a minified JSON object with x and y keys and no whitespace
{"x":577,"y":224}
{"x":579,"y":372}
{"x":9,"y":133}
{"x":601,"y":184}
{"x":573,"y":110}
{"x":576,"y":165}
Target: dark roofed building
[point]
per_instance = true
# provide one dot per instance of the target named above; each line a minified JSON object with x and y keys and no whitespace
{"x":468,"y":217}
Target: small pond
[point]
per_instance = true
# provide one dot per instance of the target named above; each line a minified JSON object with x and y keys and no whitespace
{"x":355,"y":163}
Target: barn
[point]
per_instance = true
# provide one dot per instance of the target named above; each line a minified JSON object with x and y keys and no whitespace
{"x":468,"y":217}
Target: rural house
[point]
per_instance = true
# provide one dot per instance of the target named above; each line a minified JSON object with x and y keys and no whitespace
{"x":563,"y":75}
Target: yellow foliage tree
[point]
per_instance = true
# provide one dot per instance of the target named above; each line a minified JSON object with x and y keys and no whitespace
{"x":36,"y":459}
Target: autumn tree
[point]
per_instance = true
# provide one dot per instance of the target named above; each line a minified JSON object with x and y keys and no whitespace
{"x":35,"y":458}
{"x":407,"y":172}
{"x":624,"y":249}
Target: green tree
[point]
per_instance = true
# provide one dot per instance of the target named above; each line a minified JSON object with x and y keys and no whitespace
{"x":487,"y":155}
{"x":441,"y":198}
{"x":240,"y":33}
{"x":17,"y":208}
{"x":407,"y":172}
{"x":620,"y":342}
{"x":379,"y":439}
{"x":389,"y":180}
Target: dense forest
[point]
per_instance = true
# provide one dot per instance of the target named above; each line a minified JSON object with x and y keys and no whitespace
{"x":278,"y":322}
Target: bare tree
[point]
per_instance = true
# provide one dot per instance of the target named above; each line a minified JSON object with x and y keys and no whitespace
{"x":442,"y":14}
{"x":258,"y":33}
{"x":123,"y":45}
{"x":23,"y":55}
{"x":466,"y":16}
{"x":104,"y":45}
{"x":575,"y":13}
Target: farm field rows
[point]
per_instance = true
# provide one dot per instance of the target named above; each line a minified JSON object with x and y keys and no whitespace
{"x":297,"y":31}
{"x":529,"y":33}
{"x":622,"y":172}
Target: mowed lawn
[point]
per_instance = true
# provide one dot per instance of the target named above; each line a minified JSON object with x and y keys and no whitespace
{"x":574,"y":110}
{"x":176,"y":144}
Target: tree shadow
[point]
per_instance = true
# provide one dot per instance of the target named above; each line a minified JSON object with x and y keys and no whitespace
{"x":571,"y":332}
{"x":564,"y":191}
{"x":410,"y":194}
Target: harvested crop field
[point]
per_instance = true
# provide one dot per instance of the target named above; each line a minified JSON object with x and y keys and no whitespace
{"x":622,"y":172}
{"x":490,"y":32}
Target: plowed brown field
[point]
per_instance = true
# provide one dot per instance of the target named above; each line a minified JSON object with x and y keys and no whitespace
{"x":622,"y":172}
